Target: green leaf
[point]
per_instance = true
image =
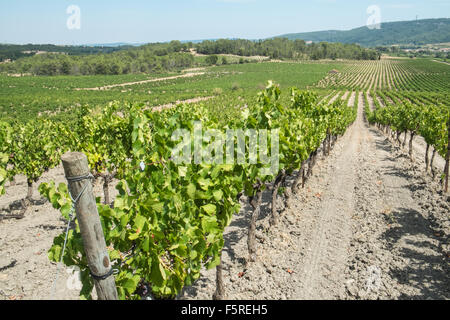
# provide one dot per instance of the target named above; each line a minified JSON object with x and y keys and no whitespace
{"x":65,"y":210}
{"x":210,"y":209}
{"x":129,"y":285}
{"x":209,"y":224}
{"x":182,"y":171}
{"x":204,"y":183}
{"x":158,"y":207}
{"x":114,"y":255}
{"x":191,"y":191}
{"x":124,"y":220}
{"x":146,"y":244}
{"x":139,"y":222}
{"x":119,"y":203}
{"x":213,"y":263}
{"x":218,"y":195}
{"x":163,"y":271}
{"x":157,"y":274}
{"x":133,"y":236}
{"x":54,"y":253}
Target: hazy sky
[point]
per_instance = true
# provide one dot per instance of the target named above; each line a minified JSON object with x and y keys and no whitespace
{"x":45,"y":21}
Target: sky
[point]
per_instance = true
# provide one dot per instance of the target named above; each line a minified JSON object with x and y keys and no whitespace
{"x":144,"y":21}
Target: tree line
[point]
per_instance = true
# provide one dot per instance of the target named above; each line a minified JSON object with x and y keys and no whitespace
{"x":144,"y":59}
{"x":283,"y":48}
{"x":15,"y":51}
{"x":164,"y":57}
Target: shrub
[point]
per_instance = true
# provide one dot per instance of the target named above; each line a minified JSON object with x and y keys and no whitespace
{"x":217,"y":91}
{"x":212,"y":59}
{"x":235,"y":86}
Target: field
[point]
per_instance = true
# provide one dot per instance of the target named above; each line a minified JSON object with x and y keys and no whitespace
{"x":24,"y":98}
{"x":391,"y":74}
{"x":354,"y":211}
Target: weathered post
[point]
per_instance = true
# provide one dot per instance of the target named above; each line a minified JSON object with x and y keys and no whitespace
{"x":77,"y":173}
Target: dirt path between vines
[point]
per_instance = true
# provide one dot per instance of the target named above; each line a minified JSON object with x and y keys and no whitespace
{"x":188,"y":101}
{"x":328,"y":232}
{"x":186,"y":75}
{"x":442,"y":62}
{"x":369,"y":225}
{"x":334,"y":98}
{"x":351,"y":101}
{"x":370,"y":100}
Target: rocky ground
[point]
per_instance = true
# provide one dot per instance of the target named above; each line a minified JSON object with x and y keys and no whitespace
{"x":25,"y":270}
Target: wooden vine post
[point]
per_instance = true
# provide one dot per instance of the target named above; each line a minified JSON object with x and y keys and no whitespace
{"x":76,"y":165}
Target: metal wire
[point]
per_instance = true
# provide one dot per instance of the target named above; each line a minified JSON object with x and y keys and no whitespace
{"x":72,"y":210}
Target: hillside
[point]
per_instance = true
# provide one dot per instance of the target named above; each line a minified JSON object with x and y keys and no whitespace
{"x":173,"y":56}
{"x":403,"y":32}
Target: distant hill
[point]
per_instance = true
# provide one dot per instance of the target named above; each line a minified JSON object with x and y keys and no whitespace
{"x":417,"y":32}
{"x":113,"y":45}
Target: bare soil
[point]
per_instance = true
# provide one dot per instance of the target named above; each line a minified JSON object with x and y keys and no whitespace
{"x":351,"y":101}
{"x":24,"y":243}
{"x":371,"y":102}
{"x":186,"y":75}
{"x":334,"y":98}
{"x":257,"y":58}
{"x":188,"y":101}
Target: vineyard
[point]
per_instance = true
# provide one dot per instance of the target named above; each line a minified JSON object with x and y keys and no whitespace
{"x":172,"y":230}
{"x":390,"y":74}
{"x":28,"y":97}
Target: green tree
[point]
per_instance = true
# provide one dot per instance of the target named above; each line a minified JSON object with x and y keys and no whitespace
{"x":212,"y":59}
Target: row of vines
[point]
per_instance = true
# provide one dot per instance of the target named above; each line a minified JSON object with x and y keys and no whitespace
{"x":391,"y":74}
{"x":418,"y":117}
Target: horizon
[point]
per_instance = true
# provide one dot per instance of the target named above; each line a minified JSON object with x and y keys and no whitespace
{"x":139,"y":22}
{"x":199,"y":40}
